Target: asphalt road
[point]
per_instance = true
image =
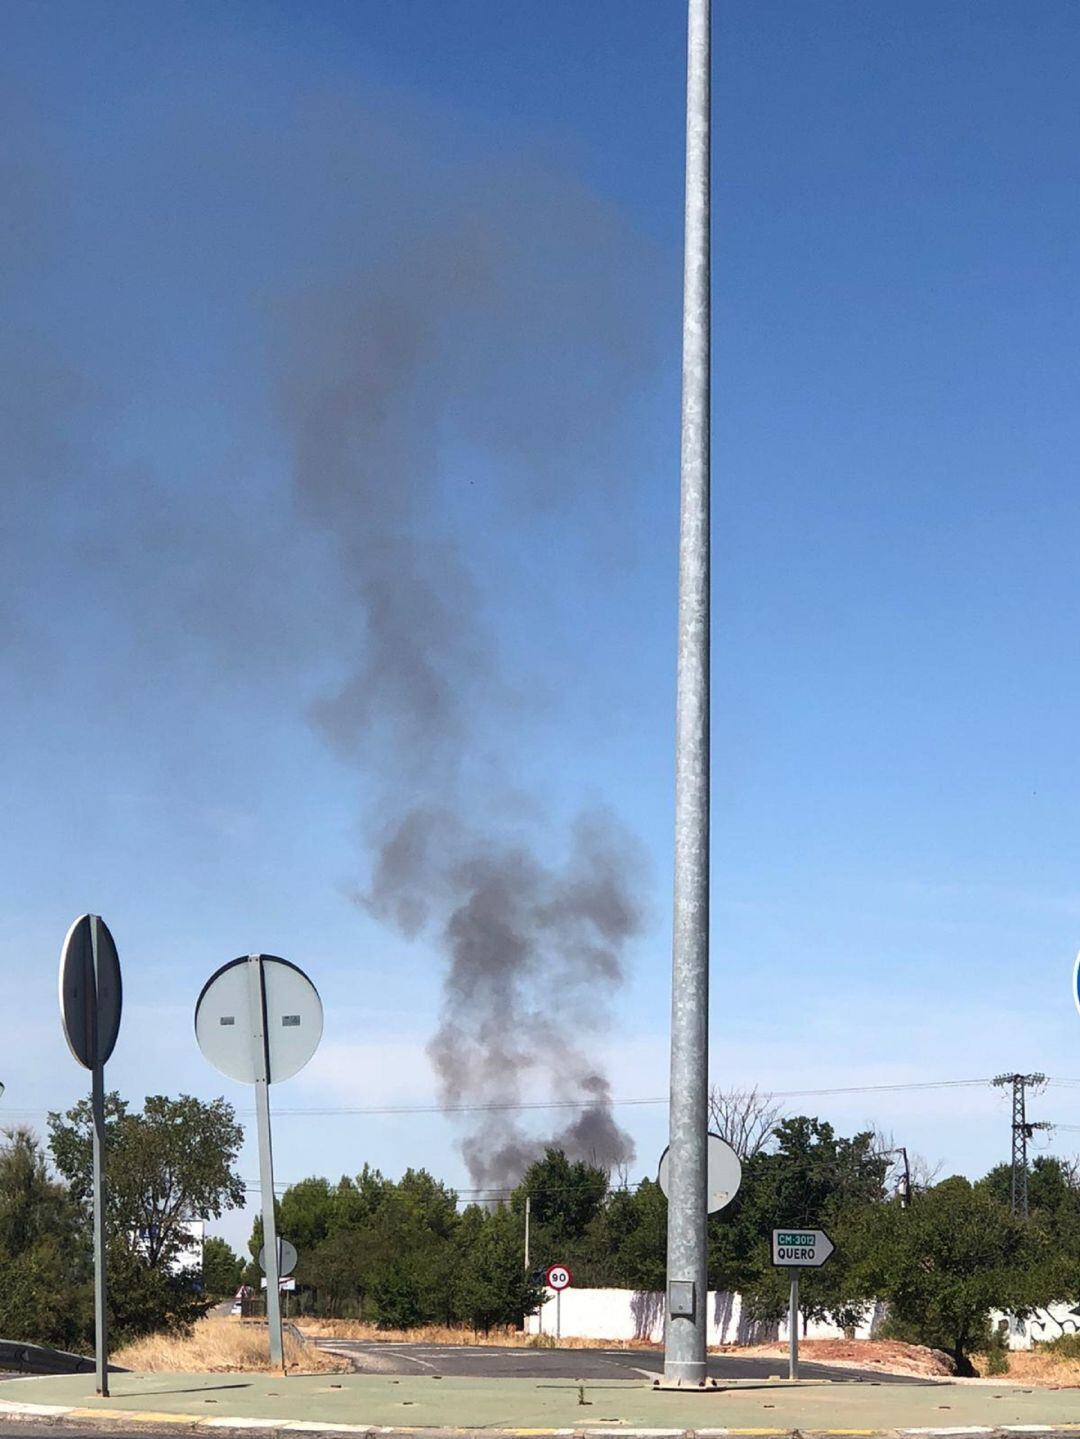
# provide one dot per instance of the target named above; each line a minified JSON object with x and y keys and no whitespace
{"x":491,"y":1362}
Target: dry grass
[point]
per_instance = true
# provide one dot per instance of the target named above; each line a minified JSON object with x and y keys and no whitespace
{"x":1037,"y":1366}
{"x":888,"y":1356}
{"x":223,"y":1346}
{"x":505,"y":1336}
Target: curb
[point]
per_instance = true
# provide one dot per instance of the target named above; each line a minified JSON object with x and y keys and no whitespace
{"x":134,"y":1421}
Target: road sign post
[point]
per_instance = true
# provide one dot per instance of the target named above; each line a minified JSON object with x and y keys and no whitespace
{"x":261,"y":1062}
{"x":793,"y":1326}
{"x":259,"y":1019}
{"x":91,"y":1000}
{"x":795,"y":1249}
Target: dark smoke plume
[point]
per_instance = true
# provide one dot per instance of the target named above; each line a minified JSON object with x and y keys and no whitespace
{"x":492,"y":341}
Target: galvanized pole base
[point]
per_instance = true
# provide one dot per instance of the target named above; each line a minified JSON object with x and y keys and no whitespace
{"x":101,"y":1313}
{"x":687,"y":1280}
{"x":793,"y":1327}
{"x":266,"y":1165}
{"x":97,"y":1110}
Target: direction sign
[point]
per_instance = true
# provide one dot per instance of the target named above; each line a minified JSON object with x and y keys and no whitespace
{"x":286,"y":1261}
{"x":724,"y":1173}
{"x":91,"y":995}
{"x":227,"y":1018}
{"x":558,"y":1277}
{"x":800,"y":1248}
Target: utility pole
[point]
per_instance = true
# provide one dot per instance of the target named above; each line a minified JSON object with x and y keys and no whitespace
{"x":904,"y":1187}
{"x":528,"y":1215}
{"x":1022,"y":1131}
{"x":687,"y":1282}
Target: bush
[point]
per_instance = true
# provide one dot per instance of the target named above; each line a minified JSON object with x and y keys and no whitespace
{"x":1065,"y":1346}
{"x":997,"y":1359}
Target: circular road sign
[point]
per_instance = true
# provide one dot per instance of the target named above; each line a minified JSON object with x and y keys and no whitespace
{"x":558,"y":1277}
{"x":227,"y":1012}
{"x":286,"y":1258}
{"x":724,"y":1173}
{"x":90,"y":1005}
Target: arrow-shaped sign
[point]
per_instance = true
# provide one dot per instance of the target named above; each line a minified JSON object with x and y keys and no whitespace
{"x":800,"y":1248}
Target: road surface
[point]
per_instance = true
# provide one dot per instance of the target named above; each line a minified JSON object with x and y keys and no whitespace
{"x":483,"y":1361}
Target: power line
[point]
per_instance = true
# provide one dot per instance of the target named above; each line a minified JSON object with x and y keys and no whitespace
{"x":524,"y":1106}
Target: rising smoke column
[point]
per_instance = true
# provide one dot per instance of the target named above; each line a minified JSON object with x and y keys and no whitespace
{"x":502,"y":323}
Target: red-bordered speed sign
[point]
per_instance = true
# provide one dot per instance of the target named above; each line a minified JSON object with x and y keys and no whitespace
{"x":558,"y":1277}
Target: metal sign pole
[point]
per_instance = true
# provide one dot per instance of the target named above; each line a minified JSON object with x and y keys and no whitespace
{"x":687,"y":1248}
{"x":97,"y":1106}
{"x":558,"y":1314}
{"x":793,"y":1327}
{"x":266,"y":1160}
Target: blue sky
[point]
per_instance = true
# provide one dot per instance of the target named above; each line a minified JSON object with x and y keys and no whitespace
{"x":196,"y":195}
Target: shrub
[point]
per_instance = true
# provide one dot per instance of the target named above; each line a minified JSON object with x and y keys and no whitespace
{"x":1066,"y":1346}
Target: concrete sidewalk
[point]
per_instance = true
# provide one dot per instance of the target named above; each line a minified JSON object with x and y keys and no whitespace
{"x":414,"y":1403}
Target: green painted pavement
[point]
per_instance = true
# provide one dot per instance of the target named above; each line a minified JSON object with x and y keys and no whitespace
{"x":424,"y":1401}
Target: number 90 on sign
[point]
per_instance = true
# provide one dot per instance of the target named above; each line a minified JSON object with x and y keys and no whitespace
{"x":558,"y":1277}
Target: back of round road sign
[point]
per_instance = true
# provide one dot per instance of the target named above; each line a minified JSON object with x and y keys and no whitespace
{"x":287,"y":1257}
{"x":724,"y":1173}
{"x":225,"y":1021}
{"x":78,"y":986}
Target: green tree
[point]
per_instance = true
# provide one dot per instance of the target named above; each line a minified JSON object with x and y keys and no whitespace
{"x":171,"y":1163}
{"x":306,"y":1214}
{"x":45,"y":1297}
{"x":943,"y":1264}
{"x":221,"y":1268}
{"x":628,"y":1239}
{"x":1053,"y":1190}
{"x":814,"y":1178}
{"x":566,"y":1197}
{"x":494,"y":1287}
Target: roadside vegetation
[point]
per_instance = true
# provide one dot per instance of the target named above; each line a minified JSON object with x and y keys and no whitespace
{"x":397,"y":1257}
{"x":172,"y":1160}
{"x":404,"y":1258}
{"x":223,"y":1346}
{"x":1054,"y":1363}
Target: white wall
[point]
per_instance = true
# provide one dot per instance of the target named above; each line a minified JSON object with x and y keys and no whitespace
{"x":639,"y":1314}
{"x":1044,"y":1324}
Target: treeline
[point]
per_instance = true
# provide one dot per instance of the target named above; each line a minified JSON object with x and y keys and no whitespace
{"x":400,"y":1253}
{"x":171,"y":1162}
{"x":403,"y":1252}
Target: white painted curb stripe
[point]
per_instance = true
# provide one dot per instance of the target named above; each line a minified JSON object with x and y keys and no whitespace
{"x":7,"y":1406}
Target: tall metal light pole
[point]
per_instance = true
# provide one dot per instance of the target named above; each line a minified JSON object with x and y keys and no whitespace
{"x":686,"y":1328}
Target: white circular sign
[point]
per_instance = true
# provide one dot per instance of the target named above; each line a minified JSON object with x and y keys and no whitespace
{"x":259,"y":993}
{"x":558,"y":1277}
{"x":724,"y":1173}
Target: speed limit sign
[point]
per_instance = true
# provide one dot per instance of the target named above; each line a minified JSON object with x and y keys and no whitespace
{"x":558,"y":1277}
